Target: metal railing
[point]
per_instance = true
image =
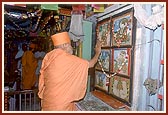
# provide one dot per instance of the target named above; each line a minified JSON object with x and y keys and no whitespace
{"x":26,"y":100}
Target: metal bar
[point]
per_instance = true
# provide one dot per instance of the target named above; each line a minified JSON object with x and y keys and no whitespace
{"x":14,"y":104}
{"x":25,"y":102}
{"x":34,"y":101}
{"x":20,"y":102}
{"x":30,"y":101}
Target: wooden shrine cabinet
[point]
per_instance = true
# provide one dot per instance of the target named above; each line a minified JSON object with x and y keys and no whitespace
{"x":111,"y":78}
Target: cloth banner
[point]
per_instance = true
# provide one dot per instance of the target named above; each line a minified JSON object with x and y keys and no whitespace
{"x":64,"y":11}
{"x":49,"y":6}
{"x":78,"y":7}
{"x":20,"y":5}
{"x":98,"y":7}
{"x":76,"y":28}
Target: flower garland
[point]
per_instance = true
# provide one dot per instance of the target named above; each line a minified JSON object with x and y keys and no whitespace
{"x":122,"y":64}
{"x":122,"y":35}
{"x":112,"y":75}
{"x":108,"y":76}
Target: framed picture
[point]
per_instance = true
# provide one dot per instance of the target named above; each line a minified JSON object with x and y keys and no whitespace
{"x":120,"y":87}
{"x":122,"y":30}
{"x":103,"y":32}
{"x":101,"y":81}
{"x":113,"y":69}
{"x":121,"y":61}
{"x":104,"y":60}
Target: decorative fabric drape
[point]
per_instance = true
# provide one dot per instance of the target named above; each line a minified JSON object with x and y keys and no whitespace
{"x":150,"y":21}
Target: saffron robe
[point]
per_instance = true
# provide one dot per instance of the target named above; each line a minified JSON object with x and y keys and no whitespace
{"x":63,"y":80}
{"x":29,"y":65}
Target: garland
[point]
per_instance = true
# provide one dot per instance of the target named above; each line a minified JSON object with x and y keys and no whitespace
{"x":112,"y":75}
{"x":108,"y":76}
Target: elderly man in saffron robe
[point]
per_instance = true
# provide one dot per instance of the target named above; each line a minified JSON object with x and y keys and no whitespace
{"x":63,"y":79}
{"x":29,"y":65}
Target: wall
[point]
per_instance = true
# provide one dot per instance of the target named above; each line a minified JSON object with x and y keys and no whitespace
{"x":87,"y":44}
{"x":148,"y":53}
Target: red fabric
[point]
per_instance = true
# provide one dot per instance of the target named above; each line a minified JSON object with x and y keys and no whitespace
{"x":63,"y":81}
{"x":78,"y":7}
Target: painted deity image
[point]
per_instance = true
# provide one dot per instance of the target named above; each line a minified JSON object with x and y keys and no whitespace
{"x":103,"y":33}
{"x":122,"y":30}
{"x":121,"y":61}
{"x":104,"y":59}
{"x":101,"y":81}
{"x":120,"y":87}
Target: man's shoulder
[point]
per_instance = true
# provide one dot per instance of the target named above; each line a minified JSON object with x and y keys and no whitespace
{"x":77,"y":59}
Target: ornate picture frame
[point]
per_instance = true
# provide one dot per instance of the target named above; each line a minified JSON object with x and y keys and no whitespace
{"x":103,"y":32}
{"x":101,"y":81}
{"x":120,"y":87}
{"x":122,"y":26}
{"x":116,"y":79}
{"x":121,"y":59}
{"x":104,"y":60}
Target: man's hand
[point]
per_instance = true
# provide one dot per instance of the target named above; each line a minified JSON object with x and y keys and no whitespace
{"x":98,"y":47}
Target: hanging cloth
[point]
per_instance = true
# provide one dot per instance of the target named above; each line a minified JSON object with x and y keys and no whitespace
{"x":152,"y":21}
{"x":76,"y":27}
